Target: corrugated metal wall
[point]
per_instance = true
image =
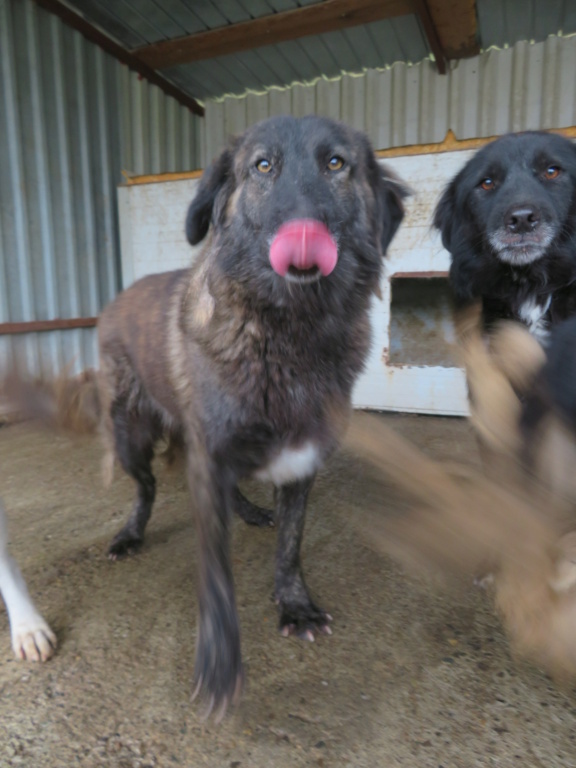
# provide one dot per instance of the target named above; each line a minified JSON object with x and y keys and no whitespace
{"x":527,"y":86}
{"x":71,"y":119}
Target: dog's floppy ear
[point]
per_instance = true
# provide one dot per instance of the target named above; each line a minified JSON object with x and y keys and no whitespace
{"x":390,"y":192}
{"x":393,"y":193}
{"x":215,"y":179}
{"x":445,"y":215}
{"x":467,"y":268}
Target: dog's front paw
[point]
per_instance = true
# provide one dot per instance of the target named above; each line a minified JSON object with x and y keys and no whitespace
{"x":304,"y":620}
{"x":564,"y":578}
{"x":33,"y":640}
{"x":123,"y":545}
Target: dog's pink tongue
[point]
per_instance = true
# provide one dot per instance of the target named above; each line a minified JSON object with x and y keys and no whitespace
{"x":303,"y":244}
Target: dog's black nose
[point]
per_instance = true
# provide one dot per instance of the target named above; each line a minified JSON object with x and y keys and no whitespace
{"x":521,"y":220}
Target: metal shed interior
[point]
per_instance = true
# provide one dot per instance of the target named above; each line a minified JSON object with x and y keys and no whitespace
{"x":212,"y":48}
{"x":89,"y":88}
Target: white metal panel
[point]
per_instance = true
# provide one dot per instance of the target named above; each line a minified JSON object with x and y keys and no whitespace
{"x":152,"y":220}
{"x":415,"y":249}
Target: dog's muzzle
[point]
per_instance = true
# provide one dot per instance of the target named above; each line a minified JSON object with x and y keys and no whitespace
{"x":303,"y":249}
{"x":520,"y":249}
{"x":523,"y":235}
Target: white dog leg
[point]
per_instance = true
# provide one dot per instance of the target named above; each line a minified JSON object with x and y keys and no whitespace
{"x":32,"y":638}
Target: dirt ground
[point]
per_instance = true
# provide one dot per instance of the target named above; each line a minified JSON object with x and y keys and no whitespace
{"x":413,"y":675}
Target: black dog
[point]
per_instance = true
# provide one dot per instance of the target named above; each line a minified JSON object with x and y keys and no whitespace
{"x":550,"y":400}
{"x":508,"y":219}
{"x":250,"y":356}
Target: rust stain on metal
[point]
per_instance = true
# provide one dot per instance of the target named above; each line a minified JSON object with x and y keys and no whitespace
{"x":35,"y":326}
{"x":417,"y":275}
{"x":157,"y":178}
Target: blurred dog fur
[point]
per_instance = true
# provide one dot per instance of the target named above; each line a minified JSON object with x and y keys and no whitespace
{"x":519,"y":519}
{"x":68,"y":403}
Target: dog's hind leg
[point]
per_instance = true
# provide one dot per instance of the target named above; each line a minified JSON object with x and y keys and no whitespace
{"x":298,"y":614}
{"x":135,"y":434}
{"x":251,"y":513}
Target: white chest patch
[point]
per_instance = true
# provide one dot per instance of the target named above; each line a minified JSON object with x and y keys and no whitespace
{"x":533,"y":314}
{"x":291,"y":464}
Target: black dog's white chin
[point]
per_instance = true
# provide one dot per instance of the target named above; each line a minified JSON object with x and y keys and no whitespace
{"x":303,"y":276}
{"x":520,"y":255}
{"x":520,"y":250}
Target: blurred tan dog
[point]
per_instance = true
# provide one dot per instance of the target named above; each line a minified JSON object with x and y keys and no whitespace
{"x":32,"y":638}
{"x":518,"y":518}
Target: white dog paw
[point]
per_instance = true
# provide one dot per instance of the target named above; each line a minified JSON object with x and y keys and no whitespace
{"x":564,"y":578}
{"x":33,"y":640}
{"x":484,"y":581}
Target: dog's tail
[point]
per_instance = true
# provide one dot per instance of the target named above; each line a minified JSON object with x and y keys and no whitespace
{"x":69,"y":403}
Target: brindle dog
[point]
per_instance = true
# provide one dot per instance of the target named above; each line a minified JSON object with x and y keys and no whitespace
{"x":250,"y":356}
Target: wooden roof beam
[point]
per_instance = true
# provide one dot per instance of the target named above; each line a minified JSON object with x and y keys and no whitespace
{"x":456,"y":24}
{"x":94,"y":35}
{"x":423,"y":12}
{"x":327,"y":16}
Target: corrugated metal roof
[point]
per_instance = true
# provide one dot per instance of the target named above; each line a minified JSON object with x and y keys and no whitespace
{"x":299,"y":61}
{"x":136,"y":23}
{"x":504,"y":22}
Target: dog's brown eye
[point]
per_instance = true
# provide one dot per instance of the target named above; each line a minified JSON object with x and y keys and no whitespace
{"x":552,"y":172}
{"x":335,"y":163}
{"x":487,"y":184}
{"x":264,"y":166}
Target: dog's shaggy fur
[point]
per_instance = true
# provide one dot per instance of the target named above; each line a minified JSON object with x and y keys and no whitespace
{"x":252,"y":371}
{"x":508,"y":219}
